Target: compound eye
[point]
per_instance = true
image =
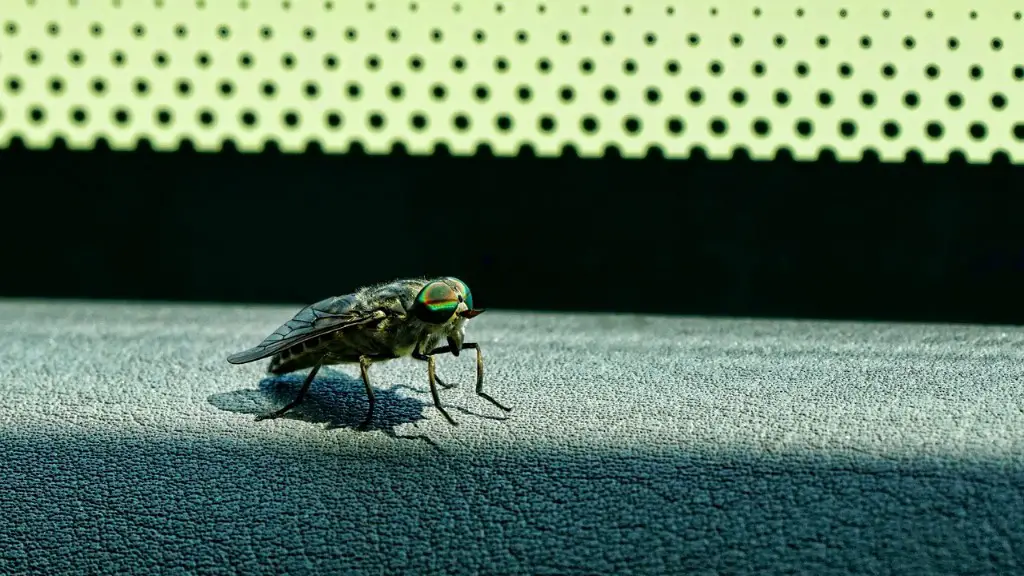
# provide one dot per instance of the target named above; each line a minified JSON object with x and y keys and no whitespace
{"x":466,"y":294}
{"x":436,"y":303}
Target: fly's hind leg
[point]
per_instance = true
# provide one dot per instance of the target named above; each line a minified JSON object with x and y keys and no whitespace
{"x":298,"y":397}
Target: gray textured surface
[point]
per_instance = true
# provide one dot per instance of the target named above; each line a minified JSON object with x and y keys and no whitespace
{"x":636,"y":445}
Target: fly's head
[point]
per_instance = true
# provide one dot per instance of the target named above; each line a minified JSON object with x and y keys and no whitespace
{"x":445,"y":305}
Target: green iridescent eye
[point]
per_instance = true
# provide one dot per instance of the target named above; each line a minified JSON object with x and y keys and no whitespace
{"x":436,"y":303}
{"x":465,"y":290}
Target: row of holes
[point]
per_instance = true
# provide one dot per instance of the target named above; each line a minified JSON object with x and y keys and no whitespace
{"x":541,"y":8}
{"x":482,"y":93}
{"x":868,"y":154}
{"x":521,"y":36}
{"x":547,"y":124}
{"x":544,"y":65}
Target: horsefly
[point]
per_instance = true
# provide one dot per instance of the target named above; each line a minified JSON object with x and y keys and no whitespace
{"x":377,"y":323}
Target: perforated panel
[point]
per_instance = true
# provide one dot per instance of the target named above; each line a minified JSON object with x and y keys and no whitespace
{"x":719,"y":75}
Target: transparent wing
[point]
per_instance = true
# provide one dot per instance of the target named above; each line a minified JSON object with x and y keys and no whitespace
{"x":328,"y":315}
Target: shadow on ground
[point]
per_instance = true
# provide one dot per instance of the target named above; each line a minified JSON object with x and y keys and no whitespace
{"x":78,"y":504}
{"x":335,"y":399}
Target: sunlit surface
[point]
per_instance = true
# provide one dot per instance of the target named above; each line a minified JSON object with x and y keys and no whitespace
{"x":634,"y":445}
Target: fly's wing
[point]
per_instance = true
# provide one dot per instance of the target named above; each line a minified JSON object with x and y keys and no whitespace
{"x":328,"y":315}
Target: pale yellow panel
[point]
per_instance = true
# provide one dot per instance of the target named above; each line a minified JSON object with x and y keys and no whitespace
{"x":671,"y":75}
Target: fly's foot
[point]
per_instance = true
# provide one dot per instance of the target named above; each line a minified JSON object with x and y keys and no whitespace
{"x":493,"y":401}
{"x":447,"y":416}
{"x":269,"y":415}
{"x":365,"y":424}
{"x":280,"y":412}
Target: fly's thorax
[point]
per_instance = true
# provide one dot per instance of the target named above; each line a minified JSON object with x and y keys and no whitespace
{"x":405,"y":334}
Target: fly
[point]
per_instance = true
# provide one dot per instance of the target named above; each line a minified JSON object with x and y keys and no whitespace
{"x":377,"y":323}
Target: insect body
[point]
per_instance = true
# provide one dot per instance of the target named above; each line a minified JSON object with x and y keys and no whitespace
{"x":410,"y":317}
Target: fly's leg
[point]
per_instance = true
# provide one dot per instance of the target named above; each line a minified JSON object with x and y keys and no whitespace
{"x":432,"y":376}
{"x":364,"y":364}
{"x":480,"y":375}
{"x":433,"y":390}
{"x":444,"y":384}
{"x":298,"y":397}
{"x":420,"y":356}
{"x":479,"y":370}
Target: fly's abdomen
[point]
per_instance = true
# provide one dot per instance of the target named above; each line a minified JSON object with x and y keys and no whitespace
{"x":342,"y":346}
{"x":298,"y":357}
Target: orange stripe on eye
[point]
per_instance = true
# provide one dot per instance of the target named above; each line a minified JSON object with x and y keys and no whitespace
{"x":436,"y":303}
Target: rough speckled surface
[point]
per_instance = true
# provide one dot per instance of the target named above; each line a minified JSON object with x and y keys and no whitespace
{"x":635,"y":445}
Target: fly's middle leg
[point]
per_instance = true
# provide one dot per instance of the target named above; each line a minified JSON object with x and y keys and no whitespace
{"x":421,"y":356}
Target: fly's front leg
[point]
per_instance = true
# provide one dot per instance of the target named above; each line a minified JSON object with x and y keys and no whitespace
{"x":420,"y":356}
{"x":480,"y":375}
{"x":444,"y":384}
{"x":432,"y":376}
{"x":433,"y":391}
{"x":479,"y":370}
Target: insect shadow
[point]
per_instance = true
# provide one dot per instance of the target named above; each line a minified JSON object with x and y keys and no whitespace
{"x":335,"y":399}
{"x":458,"y":408}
